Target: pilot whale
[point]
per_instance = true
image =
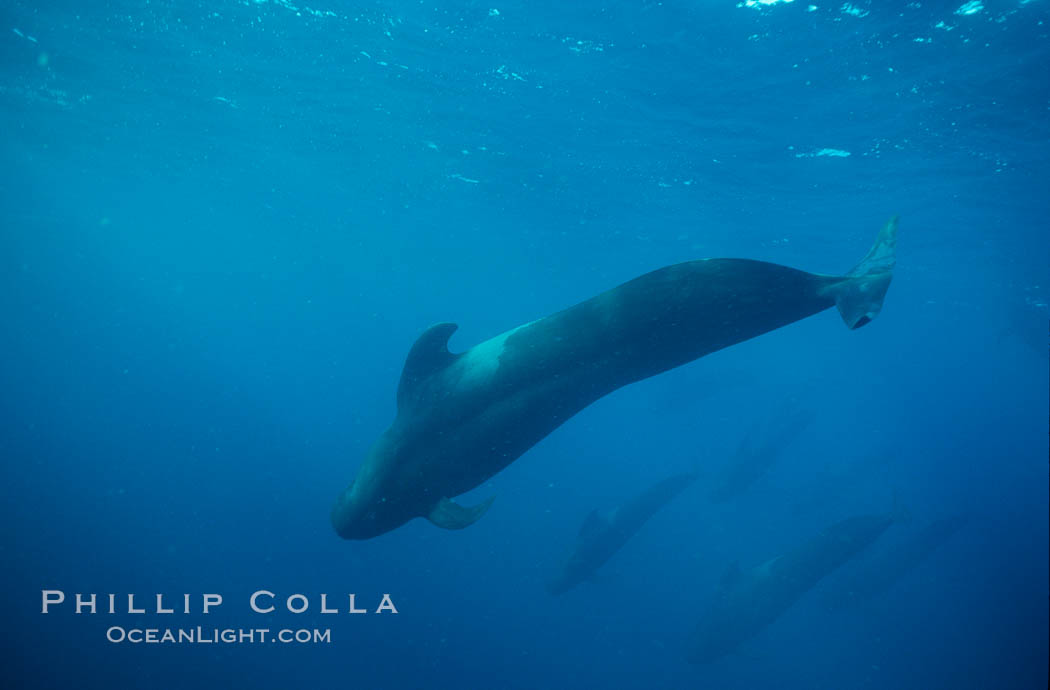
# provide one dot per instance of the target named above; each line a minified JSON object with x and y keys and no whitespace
{"x":759,"y":451}
{"x":603,"y":534}
{"x":881,"y":573}
{"x":461,"y":418}
{"x":749,"y":601}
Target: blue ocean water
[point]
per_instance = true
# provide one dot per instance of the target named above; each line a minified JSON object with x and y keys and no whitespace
{"x":226,"y":222}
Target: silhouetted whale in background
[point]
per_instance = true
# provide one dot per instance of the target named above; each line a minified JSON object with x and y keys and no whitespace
{"x":461,"y":418}
{"x":880,"y":572}
{"x":749,"y":601}
{"x":759,"y":450}
{"x":602,"y":535}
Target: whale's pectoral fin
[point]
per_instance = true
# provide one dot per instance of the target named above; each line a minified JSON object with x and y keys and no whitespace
{"x":859,"y":295}
{"x":451,"y":515}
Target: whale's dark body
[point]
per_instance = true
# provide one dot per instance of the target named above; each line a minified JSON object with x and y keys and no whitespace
{"x":601,"y":536}
{"x":880,"y":573}
{"x":759,"y":451}
{"x":461,"y":418}
{"x":749,"y":601}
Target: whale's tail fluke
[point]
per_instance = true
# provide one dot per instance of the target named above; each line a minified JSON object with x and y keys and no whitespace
{"x":859,"y":296}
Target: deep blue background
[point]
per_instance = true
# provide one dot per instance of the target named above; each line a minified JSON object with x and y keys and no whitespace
{"x":224,"y":224}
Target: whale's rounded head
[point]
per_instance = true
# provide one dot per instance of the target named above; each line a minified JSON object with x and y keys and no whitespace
{"x":368,"y":507}
{"x":348,"y":518}
{"x":357,"y":516}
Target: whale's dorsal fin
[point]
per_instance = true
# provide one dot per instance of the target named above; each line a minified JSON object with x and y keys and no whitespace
{"x":766,"y":568}
{"x":428,"y":355}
